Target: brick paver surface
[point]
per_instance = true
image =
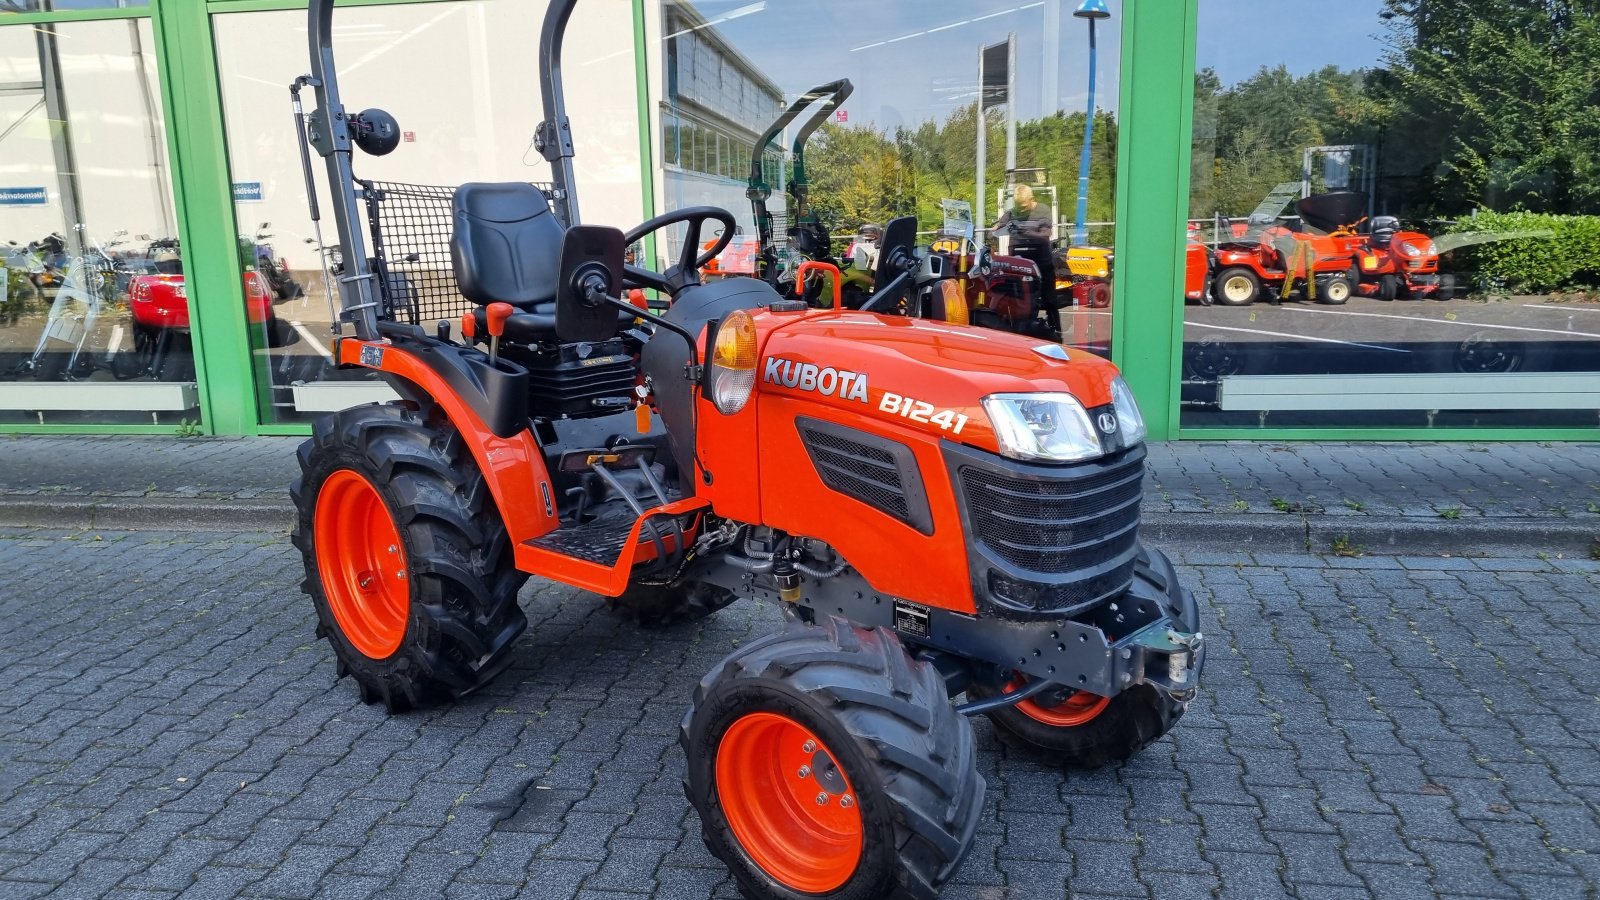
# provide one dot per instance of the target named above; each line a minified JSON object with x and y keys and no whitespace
{"x":1373,"y":727}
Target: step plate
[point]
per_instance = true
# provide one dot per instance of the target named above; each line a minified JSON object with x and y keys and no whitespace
{"x":597,"y":542}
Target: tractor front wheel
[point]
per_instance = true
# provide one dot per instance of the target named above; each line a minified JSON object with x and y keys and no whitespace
{"x":406,"y":557}
{"x":826,"y":761}
{"x":1082,"y":730}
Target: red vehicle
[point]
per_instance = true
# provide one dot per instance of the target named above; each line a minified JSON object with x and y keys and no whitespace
{"x":1274,"y":258}
{"x":1390,"y":263}
{"x":1197,"y":269}
{"x":160,"y":306}
{"x":1002,"y":292}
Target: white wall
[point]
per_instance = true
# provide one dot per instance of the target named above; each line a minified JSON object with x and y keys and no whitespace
{"x":463,"y":76}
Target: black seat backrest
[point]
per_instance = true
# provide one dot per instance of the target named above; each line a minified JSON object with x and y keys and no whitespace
{"x":507,"y":244}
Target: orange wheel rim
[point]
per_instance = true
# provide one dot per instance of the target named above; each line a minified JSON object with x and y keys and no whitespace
{"x":362,"y":564}
{"x":1078,"y":709}
{"x":771,"y":773}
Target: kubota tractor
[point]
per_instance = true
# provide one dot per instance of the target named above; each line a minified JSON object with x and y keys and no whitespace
{"x":939,"y":511}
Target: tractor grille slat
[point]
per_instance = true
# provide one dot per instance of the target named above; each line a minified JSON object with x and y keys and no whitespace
{"x":879,"y":472}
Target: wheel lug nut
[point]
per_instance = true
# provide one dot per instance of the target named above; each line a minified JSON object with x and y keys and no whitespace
{"x":822,"y":799}
{"x":846,"y":801}
{"x":805,"y":772}
{"x":810,"y":747}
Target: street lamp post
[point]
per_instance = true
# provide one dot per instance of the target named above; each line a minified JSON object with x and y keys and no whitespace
{"x":1091,"y":10}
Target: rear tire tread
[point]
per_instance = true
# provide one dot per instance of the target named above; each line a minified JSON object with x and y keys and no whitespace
{"x":463,"y":615}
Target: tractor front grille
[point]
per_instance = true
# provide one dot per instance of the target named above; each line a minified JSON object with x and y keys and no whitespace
{"x":1050,"y":538}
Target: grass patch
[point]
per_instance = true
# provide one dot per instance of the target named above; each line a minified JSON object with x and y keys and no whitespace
{"x":1342,"y":546}
{"x":1451,"y":514}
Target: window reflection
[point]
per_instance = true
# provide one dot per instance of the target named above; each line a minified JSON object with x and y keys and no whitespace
{"x":93,"y":313}
{"x":905,"y":143}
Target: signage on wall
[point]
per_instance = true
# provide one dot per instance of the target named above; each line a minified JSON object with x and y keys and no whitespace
{"x":409,"y":137}
{"x":247,"y":192}
{"x":24,"y":196}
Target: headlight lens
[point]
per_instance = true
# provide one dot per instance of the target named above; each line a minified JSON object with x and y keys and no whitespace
{"x":1050,"y":427}
{"x":1130,"y":422}
{"x":1410,"y":249}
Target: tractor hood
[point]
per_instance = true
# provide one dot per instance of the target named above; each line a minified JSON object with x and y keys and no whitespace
{"x":1332,"y":211}
{"x":923,"y":375}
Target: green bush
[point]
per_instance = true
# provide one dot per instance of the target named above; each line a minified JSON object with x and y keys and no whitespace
{"x":1539,"y":252}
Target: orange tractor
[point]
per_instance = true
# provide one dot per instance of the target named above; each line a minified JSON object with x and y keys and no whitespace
{"x":938,"y":510}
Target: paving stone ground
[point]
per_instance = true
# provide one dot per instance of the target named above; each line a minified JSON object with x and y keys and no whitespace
{"x":1390,"y":727}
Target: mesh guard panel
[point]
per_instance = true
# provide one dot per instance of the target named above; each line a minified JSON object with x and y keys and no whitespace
{"x":411,"y":226}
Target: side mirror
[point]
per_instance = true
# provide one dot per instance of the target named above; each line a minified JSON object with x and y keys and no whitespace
{"x":376,"y":132}
{"x":896,"y":262}
{"x":895,"y":256}
{"x":591,"y":269}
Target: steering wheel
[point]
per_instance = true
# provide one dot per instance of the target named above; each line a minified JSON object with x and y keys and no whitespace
{"x":687,"y":271}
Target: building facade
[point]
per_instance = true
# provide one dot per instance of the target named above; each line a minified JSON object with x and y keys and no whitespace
{"x":162,"y":272}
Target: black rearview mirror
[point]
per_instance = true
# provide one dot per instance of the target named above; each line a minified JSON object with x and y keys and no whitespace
{"x":591,"y":269}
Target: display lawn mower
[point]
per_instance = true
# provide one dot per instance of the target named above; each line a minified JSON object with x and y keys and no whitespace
{"x":1390,"y":263}
{"x":937,"y":510}
{"x":1271,"y":260}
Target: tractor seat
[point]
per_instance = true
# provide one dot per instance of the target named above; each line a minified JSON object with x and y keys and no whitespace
{"x":507,"y":249}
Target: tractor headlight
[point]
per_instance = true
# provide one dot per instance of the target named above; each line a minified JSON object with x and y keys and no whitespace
{"x":1049,"y":427}
{"x":1130,"y":422}
{"x":1418,"y":250}
{"x":731,"y":376}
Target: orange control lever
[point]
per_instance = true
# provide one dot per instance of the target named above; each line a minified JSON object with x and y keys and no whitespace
{"x":497,"y":314}
{"x":825,"y":268}
{"x":469,"y":328}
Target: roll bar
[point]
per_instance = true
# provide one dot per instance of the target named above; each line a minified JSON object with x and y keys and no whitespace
{"x":836,"y":92}
{"x":332,"y":133}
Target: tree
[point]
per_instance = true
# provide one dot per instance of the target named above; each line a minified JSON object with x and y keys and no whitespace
{"x":1497,"y":103}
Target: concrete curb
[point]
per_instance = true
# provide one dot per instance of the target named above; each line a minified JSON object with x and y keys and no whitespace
{"x":124,"y":514}
{"x":1288,"y":533}
{"x":1223,"y":532}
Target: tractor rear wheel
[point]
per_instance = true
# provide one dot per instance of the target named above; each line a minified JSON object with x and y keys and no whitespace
{"x":406,"y":557}
{"x":824,"y":760}
{"x":1237,"y":286}
{"x":665,"y":605}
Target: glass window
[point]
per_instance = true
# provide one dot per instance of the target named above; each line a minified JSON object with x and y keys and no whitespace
{"x":905,"y":142}
{"x":465,"y":89}
{"x":11,"y":7}
{"x":94,"y":322}
{"x":1395,"y":217}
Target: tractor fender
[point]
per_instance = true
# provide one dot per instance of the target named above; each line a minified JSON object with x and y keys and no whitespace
{"x":453,"y":380}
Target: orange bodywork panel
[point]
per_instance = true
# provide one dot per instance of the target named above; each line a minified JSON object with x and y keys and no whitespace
{"x":912,"y":381}
{"x":513,"y":467}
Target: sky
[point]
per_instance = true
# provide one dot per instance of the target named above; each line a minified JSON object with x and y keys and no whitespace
{"x":924,"y":63}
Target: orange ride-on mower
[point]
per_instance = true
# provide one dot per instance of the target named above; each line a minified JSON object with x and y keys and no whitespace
{"x":939,"y":511}
{"x":1391,"y":263}
{"x":1272,"y":261}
